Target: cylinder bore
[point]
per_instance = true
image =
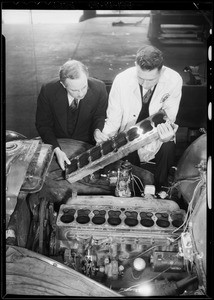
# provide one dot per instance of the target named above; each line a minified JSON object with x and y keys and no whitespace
{"x":162,"y":220}
{"x":177,"y":220}
{"x":131,"y":218}
{"x":67,"y":218}
{"x":98,"y":220}
{"x":83,"y":217}
{"x":146,"y":219}
{"x":131,"y":222}
{"x":114,"y":218}
{"x":68,"y":215}
{"x":99,"y":217}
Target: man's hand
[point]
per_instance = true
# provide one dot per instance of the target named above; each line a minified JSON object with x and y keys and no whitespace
{"x":99,"y":136}
{"x":61,"y":158}
{"x":166,"y":131}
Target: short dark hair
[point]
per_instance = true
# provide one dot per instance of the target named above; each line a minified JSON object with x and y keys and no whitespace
{"x":149,"y":58}
{"x":72,"y":69}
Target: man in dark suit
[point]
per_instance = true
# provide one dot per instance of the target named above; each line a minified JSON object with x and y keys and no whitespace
{"x":71,"y":107}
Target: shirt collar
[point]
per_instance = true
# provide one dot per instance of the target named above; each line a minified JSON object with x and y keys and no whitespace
{"x":70,"y":98}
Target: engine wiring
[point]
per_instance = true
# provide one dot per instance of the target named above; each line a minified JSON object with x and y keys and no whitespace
{"x":147,"y":250}
{"x":189,"y":210}
{"x":176,"y":184}
{"x":199,"y":260}
{"x":134,"y":177}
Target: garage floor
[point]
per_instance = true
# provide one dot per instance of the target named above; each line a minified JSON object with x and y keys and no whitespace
{"x":34,"y":53}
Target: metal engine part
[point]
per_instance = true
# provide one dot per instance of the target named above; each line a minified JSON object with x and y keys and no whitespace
{"x":27,"y":163}
{"x":115,"y":148}
{"x":191,"y":167}
{"x":167,"y":260}
{"x":101,"y":234}
{"x":191,"y":181}
{"x":13,"y":135}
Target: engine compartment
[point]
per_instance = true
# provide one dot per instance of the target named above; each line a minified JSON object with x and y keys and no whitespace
{"x":133,"y":246}
{"x":104,"y":241}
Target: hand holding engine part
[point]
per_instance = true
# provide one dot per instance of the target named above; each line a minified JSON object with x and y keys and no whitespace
{"x":167,"y":131}
{"x":99,"y":136}
{"x":61,"y":158}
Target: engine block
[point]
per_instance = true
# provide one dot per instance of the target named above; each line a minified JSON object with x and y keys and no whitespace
{"x":100,"y":235}
{"x":119,"y":219}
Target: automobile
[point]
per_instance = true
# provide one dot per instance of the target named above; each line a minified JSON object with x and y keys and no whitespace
{"x":79,"y":238}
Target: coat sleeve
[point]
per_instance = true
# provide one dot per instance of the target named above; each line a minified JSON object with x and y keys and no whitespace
{"x":100,"y":113}
{"x":44,"y":119}
{"x":114,"y":110}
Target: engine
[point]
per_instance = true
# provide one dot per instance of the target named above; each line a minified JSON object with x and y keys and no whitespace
{"x":117,"y":241}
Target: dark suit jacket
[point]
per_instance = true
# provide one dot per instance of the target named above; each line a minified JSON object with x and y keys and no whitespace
{"x":51,"y":114}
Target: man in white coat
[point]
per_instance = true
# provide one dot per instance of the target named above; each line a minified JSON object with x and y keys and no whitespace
{"x":137,"y":93}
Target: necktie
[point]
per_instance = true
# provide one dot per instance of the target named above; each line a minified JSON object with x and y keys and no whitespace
{"x":74,"y":105}
{"x":147,"y":96}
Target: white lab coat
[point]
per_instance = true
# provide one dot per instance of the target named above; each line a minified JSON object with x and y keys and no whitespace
{"x":125,"y":104}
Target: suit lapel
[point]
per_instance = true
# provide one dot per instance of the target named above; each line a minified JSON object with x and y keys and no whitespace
{"x":159,"y":92}
{"x":136,"y":102}
{"x":155,"y":104}
{"x":85,"y":107}
{"x":60,"y":106}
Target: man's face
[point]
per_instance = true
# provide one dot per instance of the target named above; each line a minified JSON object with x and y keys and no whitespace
{"x":77,"y":88}
{"x":147,"y":78}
